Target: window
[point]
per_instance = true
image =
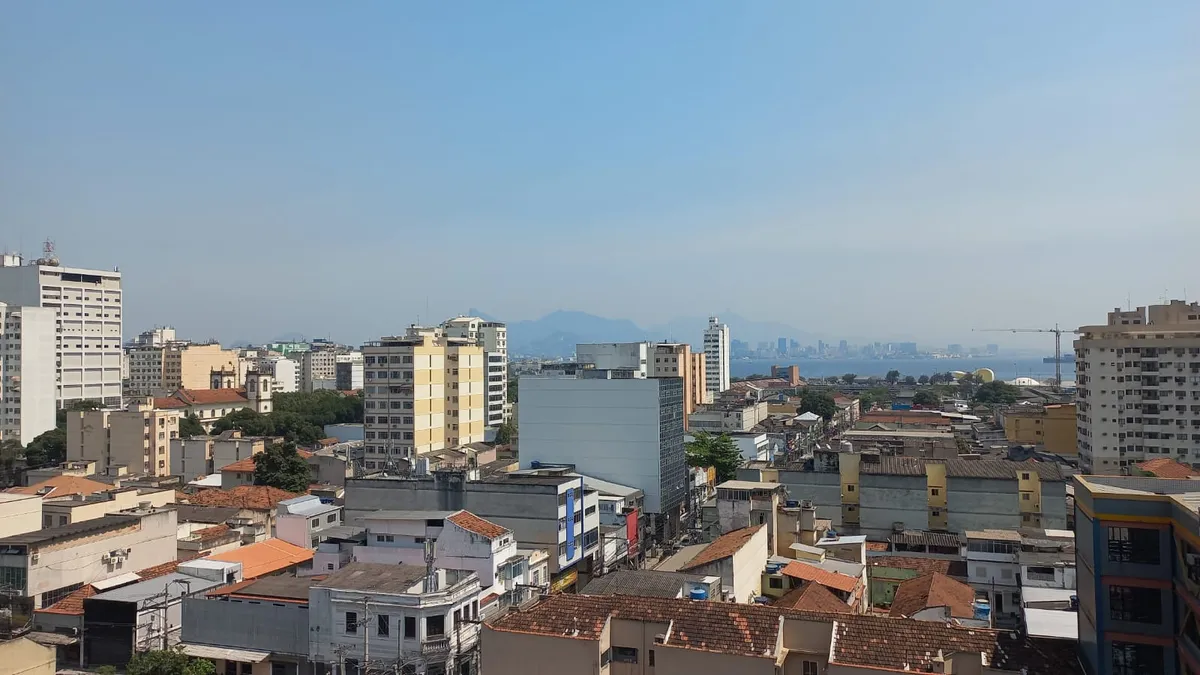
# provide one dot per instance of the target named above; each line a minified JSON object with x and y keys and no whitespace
{"x":230,"y":667}
{"x":849,"y":488}
{"x":383,"y":625}
{"x":351,"y":622}
{"x":410,"y":627}
{"x":650,"y":657}
{"x":605,"y":657}
{"x":935,"y":492}
{"x":811,"y":668}
{"x":1133,"y":545}
{"x":331,"y":518}
{"x":624,"y":655}
{"x":1129,"y":658}
{"x":435,"y":626}
{"x":1139,"y":605}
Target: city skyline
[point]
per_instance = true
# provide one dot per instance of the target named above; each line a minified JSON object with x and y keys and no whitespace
{"x":333,"y":155}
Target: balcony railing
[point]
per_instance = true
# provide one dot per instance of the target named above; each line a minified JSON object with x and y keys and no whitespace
{"x":440,"y":645}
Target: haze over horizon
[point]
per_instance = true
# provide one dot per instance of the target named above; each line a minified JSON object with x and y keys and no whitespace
{"x":875,"y":171}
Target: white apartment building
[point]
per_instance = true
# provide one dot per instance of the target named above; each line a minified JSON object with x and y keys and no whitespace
{"x":395,"y":618}
{"x":616,"y":356}
{"x":87,"y":305}
{"x":305,"y":521}
{"x":285,"y":373}
{"x":315,"y":369}
{"x":716,"y":357}
{"x":493,"y":337}
{"x":156,"y":337}
{"x":27,"y":372}
{"x":1138,"y":393}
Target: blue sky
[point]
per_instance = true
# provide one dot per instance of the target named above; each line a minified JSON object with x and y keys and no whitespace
{"x":860,"y":168}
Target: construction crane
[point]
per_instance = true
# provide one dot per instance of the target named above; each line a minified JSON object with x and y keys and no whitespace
{"x":1058,"y":333}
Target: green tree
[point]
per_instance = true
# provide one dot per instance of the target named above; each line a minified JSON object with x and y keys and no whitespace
{"x":892,"y":376}
{"x":927,"y":398}
{"x":936,"y":378}
{"x":513,"y":387}
{"x":321,"y":407}
{"x":282,"y":467}
{"x":75,"y":406}
{"x":922,"y":380}
{"x":996,"y":393}
{"x":48,"y":448}
{"x":10,"y":452}
{"x":910,"y":380}
{"x":848,"y":378}
{"x":819,"y":403}
{"x":833,"y":379}
{"x":168,"y":662}
{"x":719,"y":452}
{"x":292,"y":426}
{"x":506,"y":433}
{"x":190,"y":426}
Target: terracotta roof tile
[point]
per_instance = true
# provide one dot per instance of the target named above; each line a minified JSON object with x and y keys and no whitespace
{"x":212,"y":532}
{"x":951,"y":568}
{"x":210,"y":396}
{"x":73,"y":603}
{"x":265,"y":557}
{"x":934,"y":590}
{"x":834,"y":580}
{"x":61,"y":486}
{"x":722,"y":547}
{"x":812,"y":597}
{"x":1166,"y":467}
{"x":473,"y":523}
{"x":258,"y":497}
{"x":168,"y":403}
{"x":877,"y":546}
{"x":242,"y":465}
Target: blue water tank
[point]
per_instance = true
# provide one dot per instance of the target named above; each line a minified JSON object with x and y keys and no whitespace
{"x":698,"y":594}
{"x":982,"y":610}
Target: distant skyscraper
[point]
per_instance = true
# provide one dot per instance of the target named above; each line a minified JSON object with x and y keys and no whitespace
{"x":716,"y":356}
{"x":783,"y":346}
{"x":843,"y":348}
{"x":993,"y":349}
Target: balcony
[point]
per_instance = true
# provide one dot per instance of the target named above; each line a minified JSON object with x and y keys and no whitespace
{"x":435,"y":646}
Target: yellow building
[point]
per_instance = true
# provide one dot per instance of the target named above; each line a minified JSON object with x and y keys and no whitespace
{"x":671,"y":359}
{"x":138,"y":437}
{"x":422,"y":392}
{"x":160,"y":370}
{"x":1053,"y":426}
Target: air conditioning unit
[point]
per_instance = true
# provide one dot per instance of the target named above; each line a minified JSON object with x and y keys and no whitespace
{"x":33,"y":559}
{"x":106,"y":559}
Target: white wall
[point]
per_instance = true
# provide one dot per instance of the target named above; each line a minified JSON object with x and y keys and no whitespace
{"x":28,"y":371}
{"x":748,"y":565}
{"x":616,"y":356}
{"x":19,"y":514}
{"x":608,"y":429}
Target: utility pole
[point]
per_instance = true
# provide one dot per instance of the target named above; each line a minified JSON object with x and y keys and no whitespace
{"x":366,"y":626}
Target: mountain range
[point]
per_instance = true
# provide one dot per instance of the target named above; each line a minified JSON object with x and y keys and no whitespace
{"x":557,"y":333}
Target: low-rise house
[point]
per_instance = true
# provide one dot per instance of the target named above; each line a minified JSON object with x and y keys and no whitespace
{"x":1047,"y":559}
{"x":1165,"y":467}
{"x":256,"y":505}
{"x":266,"y":558}
{"x":403,"y":614}
{"x":80,"y":468}
{"x":209,"y":540}
{"x":258,"y":626}
{"x":304,"y":520}
{"x":76,"y":508}
{"x":839,"y":578}
{"x":206,"y":455}
{"x":937,"y":597}
{"x":46,"y":565}
{"x":577,"y":634}
{"x":146,"y":615}
{"x":886,"y":572}
{"x":813,"y":597}
{"x":738,"y":557}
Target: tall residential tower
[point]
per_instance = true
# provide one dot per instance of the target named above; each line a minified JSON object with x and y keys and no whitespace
{"x":493,"y":337}
{"x":716,"y":357}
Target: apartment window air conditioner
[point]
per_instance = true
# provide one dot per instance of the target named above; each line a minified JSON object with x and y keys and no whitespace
{"x":106,"y":558}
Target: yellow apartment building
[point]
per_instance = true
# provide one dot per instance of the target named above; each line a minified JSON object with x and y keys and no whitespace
{"x":160,"y":370}
{"x":677,"y":360}
{"x":138,"y":437}
{"x":423,"y":391}
{"x":1053,"y":426}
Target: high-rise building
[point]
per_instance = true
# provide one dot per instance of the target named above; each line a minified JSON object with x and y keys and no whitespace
{"x":316,"y":368}
{"x":673,"y":359}
{"x":87,"y":305}
{"x":423,"y":391}
{"x":493,"y":337}
{"x":782,"y":346}
{"x":348,"y":371}
{"x":26,"y":372}
{"x":284,"y":371}
{"x":716,"y":357}
{"x":1139,"y":387}
{"x":138,"y":437}
{"x":162,"y":369}
{"x":612,"y":427}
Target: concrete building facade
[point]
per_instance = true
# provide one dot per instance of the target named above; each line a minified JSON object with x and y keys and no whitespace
{"x":316,"y":369}
{"x":493,"y":337}
{"x":1054,"y":427}
{"x":423,"y":392}
{"x":1139,"y":387}
{"x":138,"y":437}
{"x":631,"y":356}
{"x":206,"y":455}
{"x":716,"y":357}
{"x":628,"y":431}
{"x":348,"y":372}
{"x":158,"y":370}
{"x":87,"y":306}
{"x":27,"y":372}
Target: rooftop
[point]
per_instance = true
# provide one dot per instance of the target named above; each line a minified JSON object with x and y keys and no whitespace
{"x":813,"y":597}
{"x":265,"y":557}
{"x":473,"y":523}
{"x":174,"y":585}
{"x":256,"y":497}
{"x":1167,"y":467}
{"x":192,"y":513}
{"x":723,"y":547}
{"x":360,"y":576}
{"x":933,"y":590}
{"x":65,"y":532}
{"x":60,"y":486}
{"x":998,"y":535}
{"x":749,"y":485}
{"x":647,"y":583}
{"x":279,"y":587}
{"x":950,"y":568}
{"x":806,"y":572}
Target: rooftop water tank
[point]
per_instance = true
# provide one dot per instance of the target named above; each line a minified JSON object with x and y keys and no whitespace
{"x":698,"y":594}
{"x":983,"y":610}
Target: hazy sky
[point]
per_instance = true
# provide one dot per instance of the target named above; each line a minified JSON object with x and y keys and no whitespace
{"x":869,"y":168}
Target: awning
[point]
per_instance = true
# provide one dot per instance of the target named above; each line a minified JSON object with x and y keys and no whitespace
{"x":119,"y":580}
{"x":224,"y":653}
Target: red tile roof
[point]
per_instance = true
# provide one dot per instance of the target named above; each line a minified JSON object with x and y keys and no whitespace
{"x":212,"y":532}
{"x":265,"y":557}
{"x":258,"y":497}
{"x":834,"y":580}
{"x":159,"y":570}
{"x":1166,"y":467}
{"x":61,"y":486}
{"x":951,"y":568}
{"x":722,"y":547}
{"x":934,"y":590}
{"x":877,"y":546}
{"x":73,"y":603}
{"x":211,"y":396}
{"x":473,"y":523}
{"x":241,"y":466}
{"x":812,"y":597}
